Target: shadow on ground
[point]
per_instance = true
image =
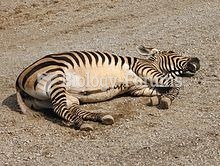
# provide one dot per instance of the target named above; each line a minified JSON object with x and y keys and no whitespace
{"x":12,"y":104}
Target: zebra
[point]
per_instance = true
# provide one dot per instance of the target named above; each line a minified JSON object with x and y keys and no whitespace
{"x":63,"y":81}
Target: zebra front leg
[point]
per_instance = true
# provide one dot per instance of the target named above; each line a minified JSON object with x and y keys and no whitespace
{"x":156,"y":97}
{"x":144,"y":90}
{"x":168,"y":97}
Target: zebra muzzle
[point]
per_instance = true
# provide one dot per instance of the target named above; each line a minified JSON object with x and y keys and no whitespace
{"x":193,"y":65}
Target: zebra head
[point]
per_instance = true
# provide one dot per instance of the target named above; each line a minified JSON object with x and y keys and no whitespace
{"x":171,"y":62}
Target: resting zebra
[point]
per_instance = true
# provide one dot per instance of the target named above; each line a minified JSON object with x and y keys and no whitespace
{"x":63,"y":81}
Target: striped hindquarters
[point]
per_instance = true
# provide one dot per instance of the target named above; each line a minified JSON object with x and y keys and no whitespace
{"x":42,"y":76}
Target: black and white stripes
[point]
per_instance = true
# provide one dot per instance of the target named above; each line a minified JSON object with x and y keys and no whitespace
{"x":48,"y":80}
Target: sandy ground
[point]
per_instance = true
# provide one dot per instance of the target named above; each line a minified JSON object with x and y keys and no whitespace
{"x":186,"y":134}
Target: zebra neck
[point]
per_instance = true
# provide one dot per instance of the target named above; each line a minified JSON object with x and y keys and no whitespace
{"x":132,"y":62}
{"x":141,"y":67}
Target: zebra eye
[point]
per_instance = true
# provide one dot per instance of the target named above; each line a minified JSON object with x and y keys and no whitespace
{"x":152,"y":57}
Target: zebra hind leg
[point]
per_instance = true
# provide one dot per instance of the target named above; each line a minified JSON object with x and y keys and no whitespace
{"x":67,"y":107}
{"x":73,"y":105}
{"x":83,"y":116}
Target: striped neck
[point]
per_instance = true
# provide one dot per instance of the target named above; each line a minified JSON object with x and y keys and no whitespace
{"x":142,"y":67}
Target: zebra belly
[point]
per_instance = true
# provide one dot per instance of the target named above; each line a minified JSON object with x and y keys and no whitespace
{"x":100,"y":86}
{"x":100,"y":79}
{"x":89,"y":90}
{"x":99,"y":96}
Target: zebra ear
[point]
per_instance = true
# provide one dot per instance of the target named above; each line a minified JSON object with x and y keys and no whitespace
{"x":146,"y":51}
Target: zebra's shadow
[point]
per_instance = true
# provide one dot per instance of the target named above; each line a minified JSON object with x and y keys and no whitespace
{"x":12,"y":104}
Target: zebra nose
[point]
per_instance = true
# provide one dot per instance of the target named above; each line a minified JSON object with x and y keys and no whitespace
{"x":193,"y":65}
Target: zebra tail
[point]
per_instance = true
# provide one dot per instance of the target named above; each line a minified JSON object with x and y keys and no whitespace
{"x":24,"y":108}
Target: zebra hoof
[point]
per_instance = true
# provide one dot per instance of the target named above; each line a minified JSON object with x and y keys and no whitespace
{"x":152,"y":101}
{"x":107,"y":120}
{"x":86,"y":127}
{"x":165,"y":103}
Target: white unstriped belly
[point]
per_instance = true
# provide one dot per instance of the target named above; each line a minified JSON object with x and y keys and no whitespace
{"x":98,"y":80}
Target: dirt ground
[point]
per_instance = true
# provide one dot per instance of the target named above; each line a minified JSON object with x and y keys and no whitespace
{"x":186,"y":134}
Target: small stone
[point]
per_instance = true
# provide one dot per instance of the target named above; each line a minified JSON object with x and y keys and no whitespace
{"x":86,"y":127}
